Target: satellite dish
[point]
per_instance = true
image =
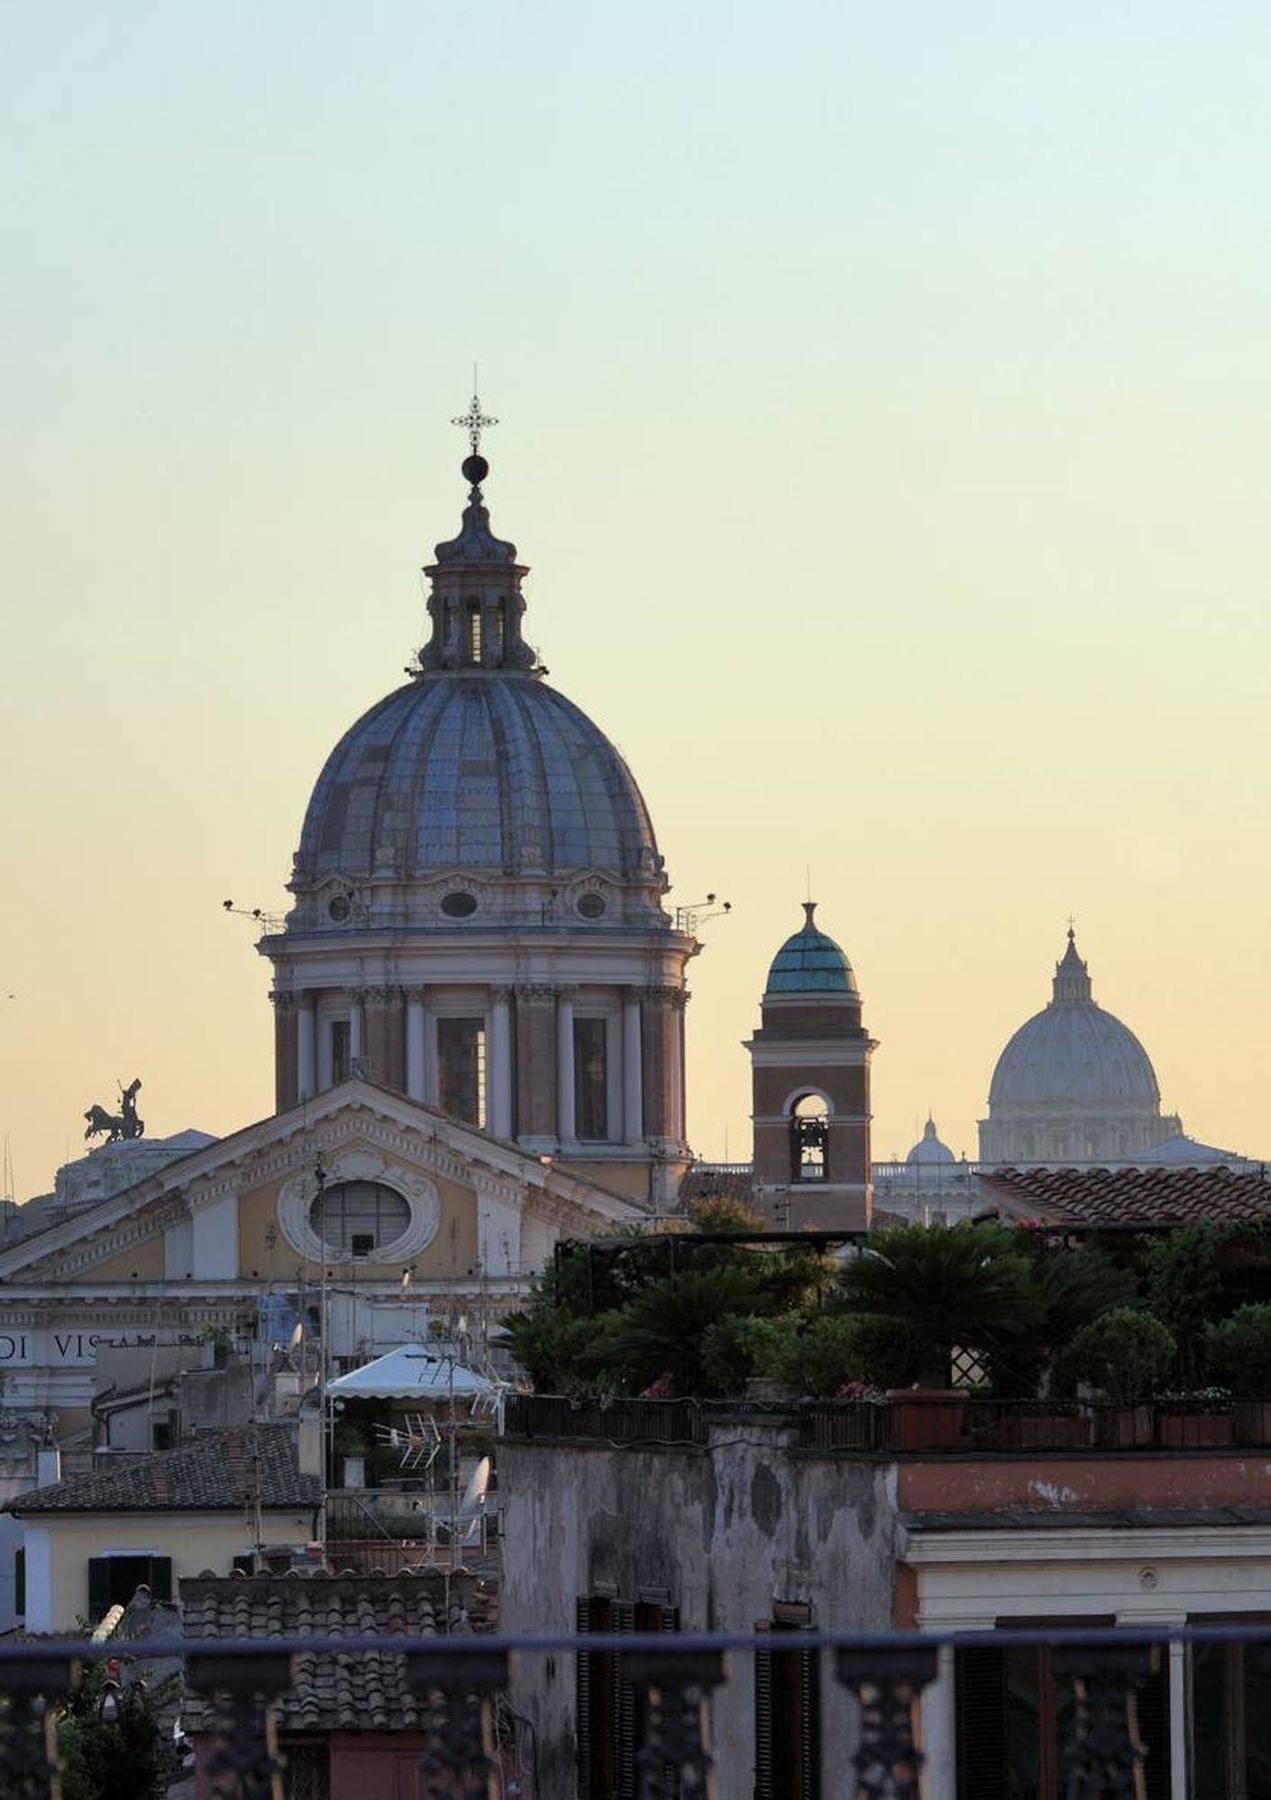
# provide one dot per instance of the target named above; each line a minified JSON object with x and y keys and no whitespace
{"x":474,"y":1497}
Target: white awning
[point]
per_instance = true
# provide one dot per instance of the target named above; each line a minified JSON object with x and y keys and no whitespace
{"x":412,"y":1373}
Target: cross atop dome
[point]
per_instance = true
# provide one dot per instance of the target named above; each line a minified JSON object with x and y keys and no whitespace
{"x":474,"y":421}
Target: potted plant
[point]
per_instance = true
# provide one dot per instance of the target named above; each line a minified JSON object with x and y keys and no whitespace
{"x":933,"y":1288}
{"x":350,"y":1442}
{"x":1238,"y":1352}
{"x":1124,"y":1356}
{"x":1200,"y":1418}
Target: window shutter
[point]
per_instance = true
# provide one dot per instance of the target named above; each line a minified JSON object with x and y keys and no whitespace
{"x":622,"y":1615}
{"x":763,"y":1720}
{"x":1153,"y":1710}
{"x":582,"y":1702}
{"x":810,"y":1724}
{"x":981,"y":1716}
{"x":19,"y":1582}
{"x":99,"y":1588}
{"x":159,"y":1578}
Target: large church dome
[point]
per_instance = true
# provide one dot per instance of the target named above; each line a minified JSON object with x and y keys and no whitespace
{"x":476,"y":791}
{"x":1073,"y":1083}
{"x":502,"y":775}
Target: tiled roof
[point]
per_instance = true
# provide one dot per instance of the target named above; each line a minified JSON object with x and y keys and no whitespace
{"x":217,"y":1471}
{"x":1129,"y":1197}
{"x":363,"y":1691}
{"x":706,"y":1183}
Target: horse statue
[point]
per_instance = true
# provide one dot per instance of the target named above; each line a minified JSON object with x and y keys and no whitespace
{"x":121,"y":1126}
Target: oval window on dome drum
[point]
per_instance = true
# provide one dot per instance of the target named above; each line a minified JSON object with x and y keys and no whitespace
{"x":358,"y":1218}
{"x":340,"y":908}
{"x":591,"y":906}
{"x":459,"y":905}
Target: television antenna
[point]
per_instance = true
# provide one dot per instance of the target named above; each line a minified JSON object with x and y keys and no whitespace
{"x":691,"y":917}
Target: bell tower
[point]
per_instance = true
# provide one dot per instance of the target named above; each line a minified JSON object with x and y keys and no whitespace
{"x":810,"y":1063}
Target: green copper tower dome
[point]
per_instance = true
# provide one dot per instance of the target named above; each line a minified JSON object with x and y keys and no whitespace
{"x":810,"y":963}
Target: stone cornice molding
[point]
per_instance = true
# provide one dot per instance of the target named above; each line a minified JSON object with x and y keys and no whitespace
{"x":129,"y":1234}
{"x":492,"y":1187}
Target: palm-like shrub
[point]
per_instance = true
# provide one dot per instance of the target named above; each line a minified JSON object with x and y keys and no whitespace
{"x":1125,"y":1355}
{"x":948,"y":1285}
{"x":553,"y":1345}
{"x":662,"y":1334}
{"x":1070,"y":1288}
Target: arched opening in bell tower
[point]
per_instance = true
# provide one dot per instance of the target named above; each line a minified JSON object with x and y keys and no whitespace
{"x":809,"y":1138}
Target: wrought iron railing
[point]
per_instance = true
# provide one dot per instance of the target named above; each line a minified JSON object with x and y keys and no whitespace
{"x":234,"y":1687}
{"x":920,"y":1421}
{"x":605,"y":1421}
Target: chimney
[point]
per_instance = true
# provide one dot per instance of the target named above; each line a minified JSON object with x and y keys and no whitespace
{"x":309,"y":1447}
{"x":48,"y":1465}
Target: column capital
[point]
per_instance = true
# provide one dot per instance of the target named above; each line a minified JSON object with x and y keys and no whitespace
{"x":417,"y":994}
{"x":502,"y":996}
{"x":282,"y":1002}
{"x":535,"y":993}
{"x":665,"y":995}
{"x":380,"y":996}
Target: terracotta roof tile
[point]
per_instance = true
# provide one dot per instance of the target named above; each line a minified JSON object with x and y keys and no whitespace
{"x":1129,"y":1197}
{"x":365,"y":1691}
{"x":217,"y":1471}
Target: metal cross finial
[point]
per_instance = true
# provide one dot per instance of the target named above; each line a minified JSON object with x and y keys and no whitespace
{"x":1072,"y":926}
{"x":474,"y":421}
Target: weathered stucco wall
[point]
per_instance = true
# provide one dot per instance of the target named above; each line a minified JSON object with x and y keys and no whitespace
{"x":724,"y":1531}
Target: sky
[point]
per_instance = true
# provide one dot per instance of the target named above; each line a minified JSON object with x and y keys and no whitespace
{"x":885,"y":410}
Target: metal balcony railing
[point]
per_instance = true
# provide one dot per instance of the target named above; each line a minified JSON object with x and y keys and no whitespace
{"x":920,"y":1422}
{"x":232,"y":1688}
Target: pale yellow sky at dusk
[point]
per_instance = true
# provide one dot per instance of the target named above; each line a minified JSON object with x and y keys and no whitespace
{"x":886,"y":406}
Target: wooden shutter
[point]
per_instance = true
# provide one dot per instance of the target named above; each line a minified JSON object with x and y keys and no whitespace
{"x":1153,"y":1711}
{"x":809,"y":1746}
{"x":763,"y":1720}
{"x":582,"y":1702}
{"x":99,"y":1588}
{"x":981,"y":1716}
{"x":622,"y":1616}
{"x":159,"y":1578}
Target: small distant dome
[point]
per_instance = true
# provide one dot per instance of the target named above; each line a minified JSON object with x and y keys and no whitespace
{"x":929,"y":1148}
{"x":810,"y":963}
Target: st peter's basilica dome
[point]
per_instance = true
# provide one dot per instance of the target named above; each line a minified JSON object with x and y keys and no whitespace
{"x":1073,"y":1084}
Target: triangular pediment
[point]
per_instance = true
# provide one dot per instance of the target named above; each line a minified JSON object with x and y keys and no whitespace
{"x":289,"y":1140}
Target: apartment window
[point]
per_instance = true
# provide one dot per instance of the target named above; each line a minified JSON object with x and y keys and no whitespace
{"x":461,"y":1069}
{"x":341,"y":1058}
{"x":113,"y":1580}
{"x":787,"y":1713}
{"x":591,"y":1079}
{"x":1015,"y":1710}
{"x":609,"y":1711}
{"x":1231,"y":1718}
{"x":307,"y":1762}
